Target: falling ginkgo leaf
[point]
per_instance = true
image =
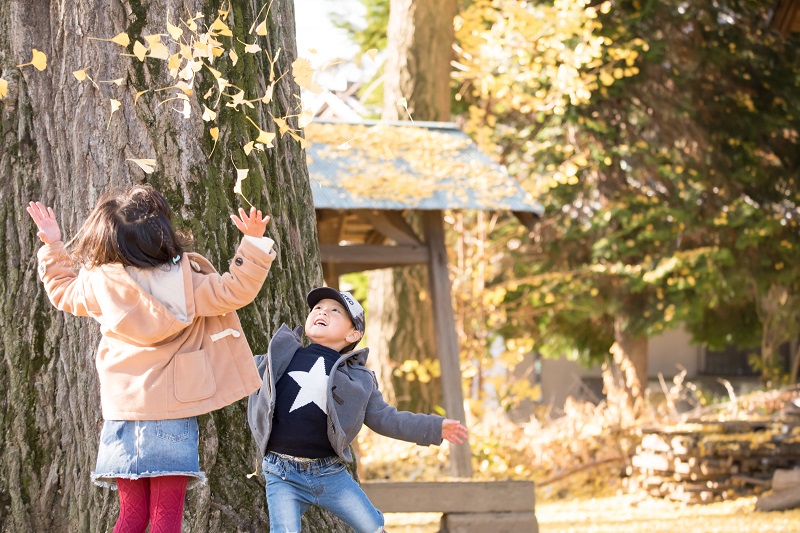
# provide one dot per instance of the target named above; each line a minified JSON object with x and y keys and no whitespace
{"x":241,"y":175}
{"x":148,"y":165}
{"x":264,"y":137}
{"x":371,"y":53}
{"x":404,"y":104}
{"x":39,"y":60}
{"x":250,"y":48}
{"x":174,"y":31}
{"x":118,"y":82}
{"x":140,"y":93}
{"x":139,"y":50}
{"x":261,"y":29}
{"x":187,"y":109}
{"x":208,"y":114}
{"x":303,"y":73}
{"x":248,"y":148}
{"x":115,"y":104}
{"x":121,"y":39}
{"x":268,"y":95}
{"x":3,"y":88}
{"x":344,"y":146}
{"x":282,"y":126}
{"x":234,"y":56}
{"x":214,"y":132}
{"x":79,"y":74}
{"x":305,"y":118}
{"x":220,"y":28}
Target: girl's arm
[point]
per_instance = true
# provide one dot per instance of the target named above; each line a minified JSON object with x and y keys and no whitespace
{"x":219,"y":294}
{"x":64,"y":288}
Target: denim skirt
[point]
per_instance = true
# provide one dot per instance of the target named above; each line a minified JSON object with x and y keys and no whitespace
{"x":134,"y":449}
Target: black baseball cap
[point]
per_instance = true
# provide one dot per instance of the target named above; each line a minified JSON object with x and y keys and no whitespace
{"x":351,"y":305}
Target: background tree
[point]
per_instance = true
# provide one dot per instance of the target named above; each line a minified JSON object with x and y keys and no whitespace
{"x":641,"y":154}
{"x":62,"y":142}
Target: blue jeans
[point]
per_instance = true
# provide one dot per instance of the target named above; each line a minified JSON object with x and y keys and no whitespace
{"x":293,"y":486}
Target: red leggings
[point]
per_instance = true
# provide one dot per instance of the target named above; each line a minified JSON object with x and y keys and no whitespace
{"x":157,"y":500}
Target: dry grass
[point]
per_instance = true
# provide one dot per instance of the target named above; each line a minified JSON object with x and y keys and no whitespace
{"x":634,"y":514}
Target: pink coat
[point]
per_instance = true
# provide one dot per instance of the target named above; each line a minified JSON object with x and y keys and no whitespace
{"x":152,"y":364}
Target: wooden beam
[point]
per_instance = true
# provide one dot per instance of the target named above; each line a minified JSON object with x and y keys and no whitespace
{"x":330,"y":274}
{"x":392,"y":225}
{"x":526,"y":218}
{"x":329,"y":226}
{"x":372,"y":254}
{"x":451,"y":496}
{"x":786,"y":17}
{"x":446,"y":337}
{"x":348,"y":268}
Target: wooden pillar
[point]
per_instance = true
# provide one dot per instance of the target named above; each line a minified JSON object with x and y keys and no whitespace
{"x":446,"y":337}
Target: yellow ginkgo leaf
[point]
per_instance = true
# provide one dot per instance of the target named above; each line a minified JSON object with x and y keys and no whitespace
{"x":299,"y":139}
{"x":140,"y":93}
{"x":148,"y":165}
{"x":261,"y":29}
{"x":39,"y":60}
{"x":303,"y":73}
{"x":248,"y":148}
{"x":186,"y":111}
{"x":344,"y":146}
{"x":208,"y":93}
{"x":220,"y":28}
{"x":208,"y":114}
{"x":268,"y":95}
{"x":251,"y":48}
{"x":174,"y":31}
{"x":224,"y":13}
{"x":79,"y":74}
{"x":234,"y":56}
{"x":241,"y":175}
{"x":159,"y":51}
{"x":312,"y":51}
{"x":214,"y":132}
{"x":3,"y":88}
{"x":265,"y":138}
{"x":139,"y":50}
{"x":305,"y":118}
{"x":115,"y":104}
{"x":281,"y":122}
{"x":214,"y":72}
{"x":404,"y":104}
{"x":121,"y":39}
{"x":371,"y":53}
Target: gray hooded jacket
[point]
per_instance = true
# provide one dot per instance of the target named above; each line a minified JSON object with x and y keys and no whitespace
{"x":353,"y":400}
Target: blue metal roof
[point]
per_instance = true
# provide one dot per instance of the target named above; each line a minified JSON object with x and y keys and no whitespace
{"x":406,"y":165}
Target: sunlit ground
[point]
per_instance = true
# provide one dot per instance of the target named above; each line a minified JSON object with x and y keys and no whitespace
{"x":632,"y":514}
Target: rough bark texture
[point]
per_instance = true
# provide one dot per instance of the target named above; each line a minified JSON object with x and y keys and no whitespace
{"x":420,"y":40}
{"x":54,"y":146}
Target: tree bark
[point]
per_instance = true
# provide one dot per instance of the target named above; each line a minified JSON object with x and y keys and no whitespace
{"x":419,"y":48}
{"x":58,"y":145}
{"x":420,"y":40}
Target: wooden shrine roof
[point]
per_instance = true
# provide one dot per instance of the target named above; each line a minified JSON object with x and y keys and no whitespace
{"x":406,"y":165}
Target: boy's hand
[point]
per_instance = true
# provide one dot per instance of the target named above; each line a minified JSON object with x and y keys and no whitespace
{"x":454,"y":431}
{"x":253,"y":225}
{"x":45,"y":219}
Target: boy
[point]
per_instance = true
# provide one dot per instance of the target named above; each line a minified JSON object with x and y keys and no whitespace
{"x":312,"y":404}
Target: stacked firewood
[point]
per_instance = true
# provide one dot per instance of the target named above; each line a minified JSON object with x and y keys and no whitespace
{"x":706,"y":461}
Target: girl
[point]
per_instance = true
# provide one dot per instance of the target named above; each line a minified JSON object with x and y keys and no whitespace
{"x":171,"y":345}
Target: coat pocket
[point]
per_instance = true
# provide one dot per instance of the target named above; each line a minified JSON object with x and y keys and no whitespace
{"x":194,"y":378}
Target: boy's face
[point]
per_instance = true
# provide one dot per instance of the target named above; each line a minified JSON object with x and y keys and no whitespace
{"x":329,"y":324}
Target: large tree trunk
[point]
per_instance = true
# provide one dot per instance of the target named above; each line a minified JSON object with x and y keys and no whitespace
{"x":54,"y":146}
{"x":419,"y":46}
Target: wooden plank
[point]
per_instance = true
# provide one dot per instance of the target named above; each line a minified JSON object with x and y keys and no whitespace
{"x":446,"y":337}
{"x":451,"y":496}
{"x":373,"y":254}
{"x":494,"y":522}
{"x":329,"y":226}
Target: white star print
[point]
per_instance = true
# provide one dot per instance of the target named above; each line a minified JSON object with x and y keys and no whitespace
{"x":313,"y":387}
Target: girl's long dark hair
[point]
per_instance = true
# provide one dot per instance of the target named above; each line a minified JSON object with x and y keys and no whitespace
{"x":132,"y":227}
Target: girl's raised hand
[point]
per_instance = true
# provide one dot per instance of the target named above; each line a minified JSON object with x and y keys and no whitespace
{"x":254,"y":224}
{"x":45,"y":219}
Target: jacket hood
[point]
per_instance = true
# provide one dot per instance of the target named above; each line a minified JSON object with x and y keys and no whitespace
{"x":129,"y":312}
